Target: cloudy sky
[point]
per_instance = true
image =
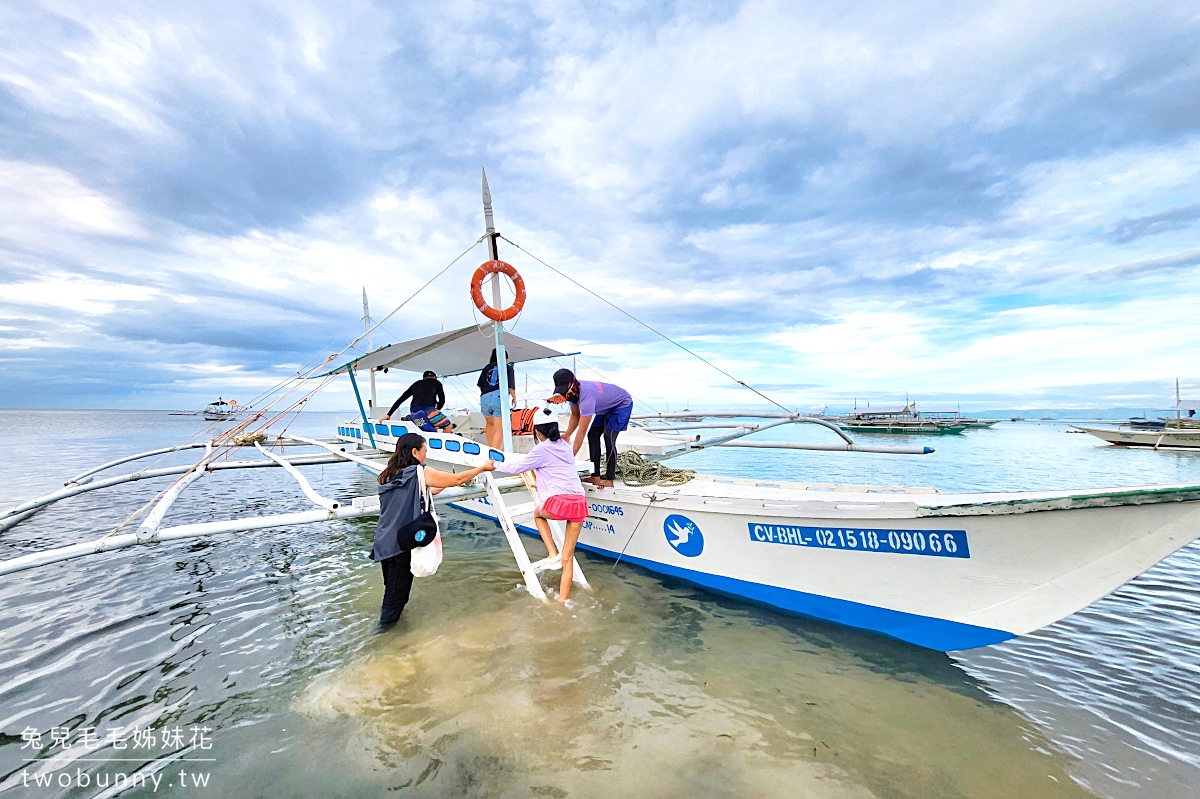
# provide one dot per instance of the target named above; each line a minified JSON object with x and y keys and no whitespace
{"x":994,"y":204}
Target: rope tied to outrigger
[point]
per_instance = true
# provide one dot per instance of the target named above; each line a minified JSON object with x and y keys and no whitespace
{"x":636,"y":470}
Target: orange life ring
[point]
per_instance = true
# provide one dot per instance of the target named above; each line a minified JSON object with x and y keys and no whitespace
{"x":491,"y":268}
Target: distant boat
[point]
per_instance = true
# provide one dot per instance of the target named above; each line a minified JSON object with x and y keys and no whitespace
{"x":1164,"y":438}
{"x":222,"y":410}
{"x":956,"y":418}
{"x":903,"y":420}
{"x":1182,"y":432}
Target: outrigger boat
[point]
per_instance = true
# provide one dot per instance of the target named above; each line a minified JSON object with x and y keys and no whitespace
{"x":946,"y":571}
{"x":1182,"y":432}
{"x":221,"y":411}
{"x":1162,"y":438}
{"x":903,"y":420}
{"x":955,"y":418}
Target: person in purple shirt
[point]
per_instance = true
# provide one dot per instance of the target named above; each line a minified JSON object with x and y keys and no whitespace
{"x":602,"y":405}
{"x":559,"y":491}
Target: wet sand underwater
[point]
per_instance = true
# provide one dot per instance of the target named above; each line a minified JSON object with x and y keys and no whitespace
{"x":481,"y":690}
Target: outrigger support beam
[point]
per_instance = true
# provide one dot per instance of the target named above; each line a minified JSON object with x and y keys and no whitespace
{"x":729,"y":439}
{"x":359,"y":506}
{"x":828,"y":447}
{"x":148,"y":528}
{"x":373,"y":466}
{"x":305,"y":486}
{"x":85,"y":477}
{"x":26,"y":509}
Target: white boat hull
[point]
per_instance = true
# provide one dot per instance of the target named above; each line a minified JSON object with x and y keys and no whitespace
{"x":1009,"y":573}
{"x":1156,"y":439}
{"x":942,"y":571}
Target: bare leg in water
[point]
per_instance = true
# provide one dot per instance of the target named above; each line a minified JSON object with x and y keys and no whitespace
{"x":568,"y":560}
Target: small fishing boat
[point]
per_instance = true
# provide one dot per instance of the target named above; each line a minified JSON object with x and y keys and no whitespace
{"x":1182,"y":432}
{"x":1162,"y":438}
{"x":903,"y":420}
{"x":221,"y":411}
{"x":945,"y":571}
{"x":955,"y":418}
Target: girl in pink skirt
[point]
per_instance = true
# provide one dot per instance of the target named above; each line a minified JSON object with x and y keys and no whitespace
{"x":559,"y":491}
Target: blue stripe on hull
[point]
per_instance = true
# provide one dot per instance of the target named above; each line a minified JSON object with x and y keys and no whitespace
{"x":926,"y":631}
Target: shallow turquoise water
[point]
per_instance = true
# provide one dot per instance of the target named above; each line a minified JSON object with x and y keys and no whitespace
{"x":649,"y":688}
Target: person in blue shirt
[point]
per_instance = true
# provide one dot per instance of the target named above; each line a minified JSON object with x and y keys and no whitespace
{"x":603,"y":410}
{"x":489,"y":399}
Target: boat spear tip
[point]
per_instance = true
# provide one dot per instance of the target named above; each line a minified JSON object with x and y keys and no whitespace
{"x":487,"y":206}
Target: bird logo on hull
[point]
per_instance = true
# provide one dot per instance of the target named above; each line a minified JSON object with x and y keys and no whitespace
{"x":683,"y":535}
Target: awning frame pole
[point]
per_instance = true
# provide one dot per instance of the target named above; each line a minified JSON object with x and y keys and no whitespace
{"x":367,"y":425}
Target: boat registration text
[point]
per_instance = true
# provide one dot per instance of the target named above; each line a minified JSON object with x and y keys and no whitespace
{"x":940,"y":543}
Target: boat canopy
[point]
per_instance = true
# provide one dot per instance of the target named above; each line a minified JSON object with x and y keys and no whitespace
{"x":903,"y":409}
{"x":1188,"y":405}
{"x":453,"y":352}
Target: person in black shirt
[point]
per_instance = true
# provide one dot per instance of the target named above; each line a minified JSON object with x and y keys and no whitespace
{"x":489,"y":399}
{"x":427,"y":396}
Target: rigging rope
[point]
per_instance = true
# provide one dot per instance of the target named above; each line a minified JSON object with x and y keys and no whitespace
{"x":411,"y":297}
{"x":635,"y":470}
{"x":656,"y":332}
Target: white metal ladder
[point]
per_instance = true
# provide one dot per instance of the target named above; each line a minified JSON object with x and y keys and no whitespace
{"x":529,"y":570}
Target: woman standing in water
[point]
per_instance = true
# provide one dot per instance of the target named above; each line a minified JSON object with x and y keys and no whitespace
{"x":559,"y":491}
{"x":399,"y":504}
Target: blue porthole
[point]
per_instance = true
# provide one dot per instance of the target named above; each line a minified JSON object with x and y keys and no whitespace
{"x":341,"y":431}
{"x":452,"y":446}
{"x":496,"y":456}
{"x":381,"y":429}
{"x":471,"y":448}
{"x":398,"y":431}
{"x":435,"y":443}
{"x":357,"y":432}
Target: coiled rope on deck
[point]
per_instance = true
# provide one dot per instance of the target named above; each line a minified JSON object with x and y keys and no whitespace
{"x":636,"y":470}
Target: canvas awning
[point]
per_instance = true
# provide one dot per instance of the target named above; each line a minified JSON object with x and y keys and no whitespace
{"x":903,"y":409}
{"x":453,"y":352}
{"x":1188,"y":405}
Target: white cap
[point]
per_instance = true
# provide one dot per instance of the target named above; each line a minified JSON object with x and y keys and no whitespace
{"x":546,"y":415}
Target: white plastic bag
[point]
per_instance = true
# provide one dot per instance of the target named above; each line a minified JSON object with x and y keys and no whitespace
{"x":425,"y":560}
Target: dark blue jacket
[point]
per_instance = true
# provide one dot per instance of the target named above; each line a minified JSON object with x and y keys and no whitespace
{"x":399,"y":504}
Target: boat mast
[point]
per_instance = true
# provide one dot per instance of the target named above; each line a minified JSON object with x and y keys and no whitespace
{"x":501,"y":360}
{"x":367,"y":324}
{"x":1178,"y":412}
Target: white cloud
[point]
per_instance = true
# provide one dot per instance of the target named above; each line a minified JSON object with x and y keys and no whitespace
{"x":906,"y":175}
{"x":37,"y":203}
{"x":74,"y":293}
